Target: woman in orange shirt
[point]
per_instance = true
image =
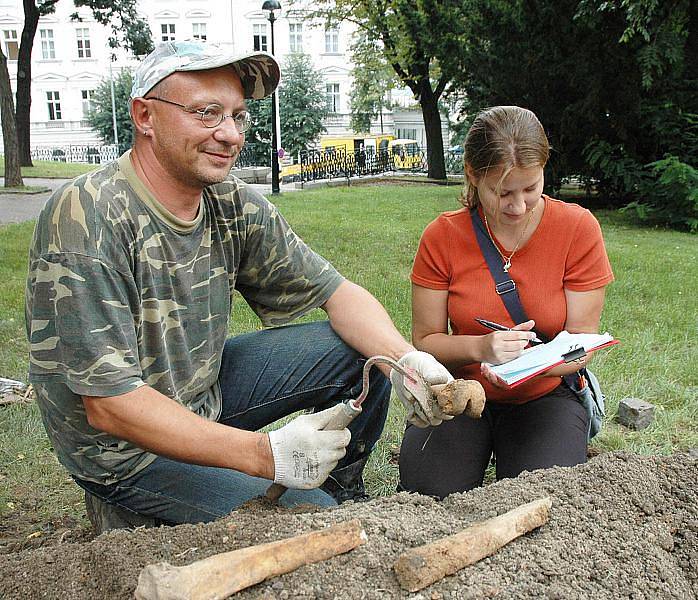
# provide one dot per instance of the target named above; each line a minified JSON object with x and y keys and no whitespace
{"x":555,"y":253}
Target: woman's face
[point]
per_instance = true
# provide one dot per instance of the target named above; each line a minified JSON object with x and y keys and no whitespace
{"x":509,"y":201}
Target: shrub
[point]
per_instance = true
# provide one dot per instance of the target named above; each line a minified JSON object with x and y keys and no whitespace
{"x":620,"y":176}
{"x":669,"y":194}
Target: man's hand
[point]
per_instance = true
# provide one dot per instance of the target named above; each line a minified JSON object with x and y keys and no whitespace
{"x":420,"y":412}
{"x":304,"y":454}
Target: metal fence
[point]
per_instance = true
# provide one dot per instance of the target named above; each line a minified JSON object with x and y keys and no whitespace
{"x":248,"y":157}
{"x":313,"y":164}
{"x":78,"y":153}
{"x":454,"y":162}
{"x":338,"y":163}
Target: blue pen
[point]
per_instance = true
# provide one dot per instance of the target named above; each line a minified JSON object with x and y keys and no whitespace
{"x":497,"y":327}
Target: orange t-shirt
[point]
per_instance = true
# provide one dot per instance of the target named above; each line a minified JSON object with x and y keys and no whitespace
{"x":565,"y":252}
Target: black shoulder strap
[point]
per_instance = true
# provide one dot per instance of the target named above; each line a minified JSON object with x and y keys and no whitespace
{"x":505,"y":286}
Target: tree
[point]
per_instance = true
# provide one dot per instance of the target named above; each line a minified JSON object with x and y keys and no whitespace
{"x":422,"y":41}
{"x":258,"y":138}
{"x":13,"y":172}
{"x":614,"y":83}
{"x":659,"y":175}
{"x":533,"y":53}
{"x":372,"y":80}
{"x":128,"y":30}
{"x":302,"y":107}
{"x":100,"y":114}
{"x":662,"y":29}
{"x":302,"y":103}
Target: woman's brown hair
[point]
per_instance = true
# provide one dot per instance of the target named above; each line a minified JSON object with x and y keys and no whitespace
{"x":503,"y":137}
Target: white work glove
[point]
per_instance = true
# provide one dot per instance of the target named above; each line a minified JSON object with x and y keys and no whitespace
{"x":303,"y":453}
{"x":420,"y":411}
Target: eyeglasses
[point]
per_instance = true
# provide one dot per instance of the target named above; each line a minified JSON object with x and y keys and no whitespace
{"x":213,"y":115}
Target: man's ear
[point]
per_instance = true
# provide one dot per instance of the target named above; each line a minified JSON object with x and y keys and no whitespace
{"x":141,"y":115}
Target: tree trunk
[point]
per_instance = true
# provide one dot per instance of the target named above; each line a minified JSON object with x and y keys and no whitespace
{"x":13,"y":173}
{"x":432,"y":127}
{"x":24,"y":81}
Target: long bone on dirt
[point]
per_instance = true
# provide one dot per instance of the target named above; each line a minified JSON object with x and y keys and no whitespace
{"x":419,"y":567}
{"x":221,"y":575}
{"x":452,"y":398}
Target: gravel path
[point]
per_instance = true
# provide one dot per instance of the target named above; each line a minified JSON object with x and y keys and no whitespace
{"x":16,"y":208}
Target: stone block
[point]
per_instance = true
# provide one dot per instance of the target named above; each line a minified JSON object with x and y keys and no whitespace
{"x":262,"y":174}
{"x":635,"y":413}
{"x":245,"y":173}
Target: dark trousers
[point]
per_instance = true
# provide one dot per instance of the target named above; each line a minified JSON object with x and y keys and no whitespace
{"x":265,"y":376}
{"x":546,"y":432}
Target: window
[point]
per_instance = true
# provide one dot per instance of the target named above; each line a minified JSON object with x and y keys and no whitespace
{"x":168,"y":32}
{"x":332,"y":41}
{"x":83,"y":37}
{"x":259,"y":37}
{"x":11,"y":45}
{"x":198,"y":31}
{"x":410,"y":134}
{"x":48,"y":49}
{"x":295,"y":37}
{"x":53,"y":101}
{"x":87,"y":96}
{"x":332,"y":97}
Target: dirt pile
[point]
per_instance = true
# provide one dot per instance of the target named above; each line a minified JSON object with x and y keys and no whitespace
{"x":621,"y":526}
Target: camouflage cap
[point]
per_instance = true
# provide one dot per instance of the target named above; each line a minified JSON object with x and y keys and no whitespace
{"x":259,"y":71}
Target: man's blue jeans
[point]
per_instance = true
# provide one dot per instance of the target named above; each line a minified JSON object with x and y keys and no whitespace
{"x":265,"y":375}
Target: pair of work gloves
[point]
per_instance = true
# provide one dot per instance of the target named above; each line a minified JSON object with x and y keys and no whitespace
{"x":305,"y":453}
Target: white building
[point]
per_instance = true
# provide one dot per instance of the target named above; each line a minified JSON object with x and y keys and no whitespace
{"x":71,"y":58}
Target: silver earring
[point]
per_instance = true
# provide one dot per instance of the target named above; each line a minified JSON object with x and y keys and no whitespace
{"x":145,"y":132}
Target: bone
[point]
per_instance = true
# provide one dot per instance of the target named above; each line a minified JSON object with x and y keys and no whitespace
{"x":221,"y":575}
{"x":419,"y":567}
{"x":460,"y":395}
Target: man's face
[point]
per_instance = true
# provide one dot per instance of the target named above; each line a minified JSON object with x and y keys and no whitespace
{"x":190,"y":152}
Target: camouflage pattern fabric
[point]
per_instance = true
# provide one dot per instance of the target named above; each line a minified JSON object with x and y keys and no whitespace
{"x":121,"y":294}
{"x":259,"y":72}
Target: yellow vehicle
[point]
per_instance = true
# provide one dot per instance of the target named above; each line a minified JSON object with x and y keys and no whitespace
{"x":290,"y":170}
{"x":332,"y":146}
{"x":406,"y":153}
{"x":366,"y":142}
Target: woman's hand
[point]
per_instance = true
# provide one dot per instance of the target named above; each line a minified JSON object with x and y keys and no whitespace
{"x":502,"y":346}
{"x":493,"y":378}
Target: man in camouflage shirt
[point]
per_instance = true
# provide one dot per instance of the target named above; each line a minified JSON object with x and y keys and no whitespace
{"x":132,"y":273}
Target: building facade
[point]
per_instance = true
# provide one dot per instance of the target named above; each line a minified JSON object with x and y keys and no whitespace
{"x":71,"y":58}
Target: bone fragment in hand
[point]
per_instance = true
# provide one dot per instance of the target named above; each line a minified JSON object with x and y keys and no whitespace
{"x":460,"y":395}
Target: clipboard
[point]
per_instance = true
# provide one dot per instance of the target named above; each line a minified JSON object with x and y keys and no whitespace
{"x":564,"y":348}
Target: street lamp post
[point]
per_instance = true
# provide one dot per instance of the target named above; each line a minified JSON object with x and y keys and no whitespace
{"x":271,"y":6}
{"x":113,"y":106}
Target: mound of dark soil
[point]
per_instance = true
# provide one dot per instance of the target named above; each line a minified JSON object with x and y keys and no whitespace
{"x":621,"y":526}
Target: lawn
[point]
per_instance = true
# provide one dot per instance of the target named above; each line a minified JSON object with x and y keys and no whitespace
{"x":52,"y":169}
{"x":371,"y":233}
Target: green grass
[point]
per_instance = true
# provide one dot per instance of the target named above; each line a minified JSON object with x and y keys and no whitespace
{"x":24,"y":189}
{"x":370,"y":233}
{"x":14,"y":249}
{"x":50,"y":169}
